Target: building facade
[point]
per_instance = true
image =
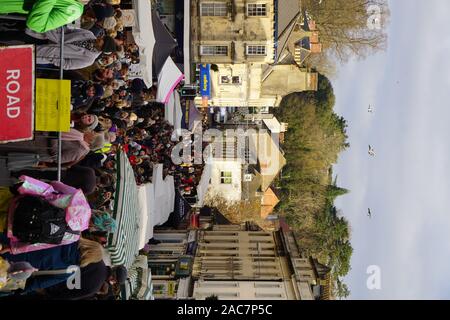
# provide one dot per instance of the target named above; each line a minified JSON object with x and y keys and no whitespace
{"x":257,"y":85}
{"x":248,"y":49}
{"x":170,"y":262}
{"x":233,"y":263}
{"x":229,"y":32}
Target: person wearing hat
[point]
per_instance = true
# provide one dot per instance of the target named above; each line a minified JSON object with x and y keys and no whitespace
{"x":84,"y":93}
{"x":109,"y":23}
{"x":81,"y":47}
{"x":45,"y":15}
{"x":87,"y":122}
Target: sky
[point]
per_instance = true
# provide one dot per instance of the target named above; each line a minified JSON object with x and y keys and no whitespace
{"x":407,"y":184}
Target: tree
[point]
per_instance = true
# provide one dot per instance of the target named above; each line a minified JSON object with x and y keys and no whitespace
{"x":347,"y":28}
{"x":341,"y":289}
{"x":312,"y":144}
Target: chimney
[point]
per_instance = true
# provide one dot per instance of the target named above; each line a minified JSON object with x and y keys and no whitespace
{"x":316,"y":47}
{"x":314,"y":37}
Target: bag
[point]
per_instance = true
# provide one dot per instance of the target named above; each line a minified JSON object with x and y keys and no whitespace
{"x":37,"y":221}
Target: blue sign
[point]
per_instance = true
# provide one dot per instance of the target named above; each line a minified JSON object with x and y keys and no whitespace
{"x":205,"y":80}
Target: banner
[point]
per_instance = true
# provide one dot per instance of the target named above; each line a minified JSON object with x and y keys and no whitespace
{"x":191,"y":115}
{"x":52,"y":105}
{"x":205,"y":81}
{"x":182,"y":207}
{"x":16,"y":93}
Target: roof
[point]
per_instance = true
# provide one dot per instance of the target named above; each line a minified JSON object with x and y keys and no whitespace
{"x":273,"y":125}
{"x":287,"y":79}
{"x":220,"y":219}
{"x":288,"y":12}
{"x":269,"y":202}
{"x":250,"y":189}
{"x":270,"y":158}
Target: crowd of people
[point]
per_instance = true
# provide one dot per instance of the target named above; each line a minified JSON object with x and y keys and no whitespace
{"x":110,"y":112}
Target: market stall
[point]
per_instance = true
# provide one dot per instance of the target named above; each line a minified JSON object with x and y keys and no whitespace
{"x":123,"y":245}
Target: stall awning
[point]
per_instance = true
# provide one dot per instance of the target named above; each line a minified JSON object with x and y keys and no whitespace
{"x":157,"y":201}
{"x":123,"y":245}
{"x":144,"y":37}
{"x":173,"y":111}
{"x":169,"y":77}
{"x":165,"y":43}
{"x":139,"y":283}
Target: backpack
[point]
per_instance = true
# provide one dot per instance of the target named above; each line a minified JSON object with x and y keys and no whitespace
{"x":37,"y":221}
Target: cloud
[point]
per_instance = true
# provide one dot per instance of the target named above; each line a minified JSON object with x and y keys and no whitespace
{"x":407,"y":184}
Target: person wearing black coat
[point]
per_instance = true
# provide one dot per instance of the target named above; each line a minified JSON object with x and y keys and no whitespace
{"x":93,"y":278}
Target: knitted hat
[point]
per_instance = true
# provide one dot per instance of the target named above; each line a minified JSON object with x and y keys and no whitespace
{"x":133,"y":116}
{"x":113,"y":128}
{"x":109,"y":23}
{"x":94,"y":124}
{"x":99,"y":90}
{"x":108,"y":92}
{"x":109,"y":45}
{"x":104,"y":222}
{"x":103,"y":11}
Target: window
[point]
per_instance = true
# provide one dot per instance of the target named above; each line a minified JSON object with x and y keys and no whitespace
{"x":225,"y":295}
{"x":224,"y":79}
{"x":267,"y":285}
{"x":268,"y":295}
{"x":214,"y":50}
{"x":214,"y":9}
{"x":220,"y":284}
{"x":256,"y":50}
{"x":226,"y":177}
{"x":256,"y":10}
{"x":230,"y":80}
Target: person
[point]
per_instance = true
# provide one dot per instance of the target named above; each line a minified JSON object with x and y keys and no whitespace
{"x":75,"y":146}
{"x":102,"y":221}
{"x":45,"y":15}
{"x":93,"y":278}
{"x":81,"y":47}
{"x":82,"y":253}
{"x":77,"y":176}
{"x":85,"y":122}
{"x":84,"y":93}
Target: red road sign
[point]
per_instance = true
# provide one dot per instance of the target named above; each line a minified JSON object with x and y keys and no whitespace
{"x":16,"y":93}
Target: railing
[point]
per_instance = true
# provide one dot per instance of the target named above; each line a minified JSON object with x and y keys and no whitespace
{"x":61,"y":76}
